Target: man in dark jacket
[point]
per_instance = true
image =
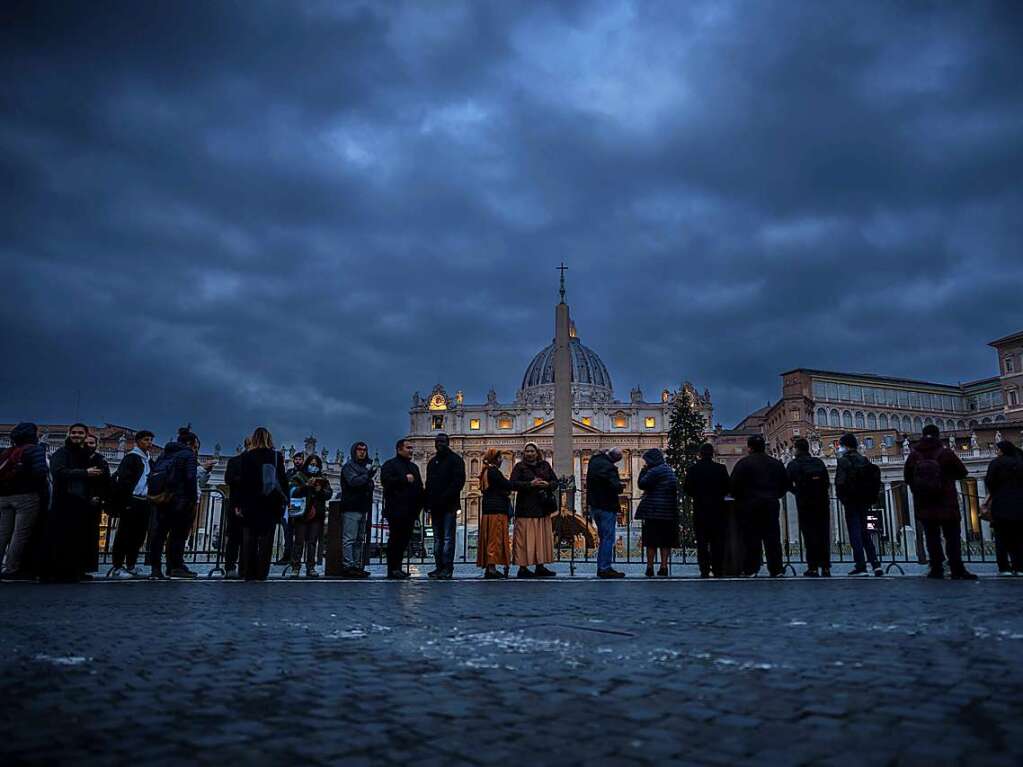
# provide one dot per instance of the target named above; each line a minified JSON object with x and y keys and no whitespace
{"x":810,"y":484}
{"x":931,"y":472}
{"x":131,"y":497}
{"x":445,"y":478}
{"x":99,"y":487}
{"x":235,"y":530}
{"x":1004,"y":482}
{"x":24,"y":493}
{"x":758,"y":482}
{"x":356,"y":505}
{"x":852,"y":472}
{"x":174,"y":517}
{"x":603,"y":486}
{"x":707,"y":484}
{"x":403,"y":502}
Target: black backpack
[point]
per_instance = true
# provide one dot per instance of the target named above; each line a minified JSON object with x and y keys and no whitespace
{"x":864,"y":480}
{"x":813,"y":482}
{"x":927,"y":480}
{"x":162,"y":479}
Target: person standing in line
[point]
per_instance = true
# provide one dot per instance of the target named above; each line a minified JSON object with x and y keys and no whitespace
{"x":357,"y":484}
{"x":857,"y":484}
{"x":73,"y":476}
{"x":310,"y":486}
{"x":131,"y":494}
{"x":233,"y":514}
{"x":99,"y":488}
{"x":536,"y":499}
{"x":758,"y":483}
{"x":287,"y":531}
{"x":24,"y":493}
{"x":932,"y":471}
{"x":1004,"y":482}
{"x":603,"y":487}
{"x":403,"y":502}
{"x":262,"y":499}
{"x":706,"y":484}
{"x":810,"y":484}
{"x":174,"y":491}
{"x":493,"y":548}
{"x":445,"y":478}
{"x":658,"y":510}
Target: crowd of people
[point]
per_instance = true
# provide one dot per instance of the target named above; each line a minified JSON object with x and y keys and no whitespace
{"x":50,"y":507}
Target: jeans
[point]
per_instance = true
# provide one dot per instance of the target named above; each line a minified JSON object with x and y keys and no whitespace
{"x":173,"y":523}
{"x":353,"y":539}
{"x":933,"y":531}
{"x":131,"y":532}
{"x":444,"y":539}
{"x":18,"y":515}
{"x":859,"y":536}
{"x":606,"y":521}
{"x":307,"y":536}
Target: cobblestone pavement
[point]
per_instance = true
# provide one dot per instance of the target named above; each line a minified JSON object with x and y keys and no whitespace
{"x":872,"y":671}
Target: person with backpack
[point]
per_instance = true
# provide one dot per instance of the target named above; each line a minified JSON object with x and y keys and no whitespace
{"x":758,"y":482}
{"x":311,"y":490}
{"x":356,"y":504}
{"x":173,"y":491}
{"x":706,"y":483}
{"x":658,"y":510}
{"x":810,"y":484}
{"x":24,"y":493}
{"x":1004,"y":482}
{"x":403,"y":502}
{"x":233,"y":514}
{"x":130,"y":500}
{"x":262,"y":499}
{"x":857,"y":485}
{"x":445,"y":478}
{"x":932,"y":471}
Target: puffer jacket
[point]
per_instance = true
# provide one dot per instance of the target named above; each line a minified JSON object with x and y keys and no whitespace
{"x":659,"y":484}
{"x":34,"y":474}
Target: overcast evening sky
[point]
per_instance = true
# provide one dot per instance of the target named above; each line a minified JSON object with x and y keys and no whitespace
{"x":296,"y":214}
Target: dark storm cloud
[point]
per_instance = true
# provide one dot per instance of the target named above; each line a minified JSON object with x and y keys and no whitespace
{"x":298,"y":214}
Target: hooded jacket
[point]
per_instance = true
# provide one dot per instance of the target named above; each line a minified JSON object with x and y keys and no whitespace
{"x":603,"y":484}
{"x":445,"y":478}
{"x":945,"y":506}
{"x":34,"y":475}
{"x":357,"y":483}
{"x":659,"y":484}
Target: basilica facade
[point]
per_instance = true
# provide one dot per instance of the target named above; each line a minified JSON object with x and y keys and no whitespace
{"x":599,"y":421}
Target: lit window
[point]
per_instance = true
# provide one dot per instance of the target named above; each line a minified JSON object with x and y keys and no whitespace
{"x":504,"y":422}
{"x":587,"y":421}
{"x":537,"y":421}
{"x":474,"y":424}
{"x":620,"y":421}
{"x":437,"y":422}
{"x":650,"y":422}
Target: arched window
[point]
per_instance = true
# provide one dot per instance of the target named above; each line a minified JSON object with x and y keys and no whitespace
{"x":861,"y":422}
{"x":847,"y":420}
{"x":822,"y":417}
{"x":834,"y":418}
{"x":961,"y":425}
{"x":999,"y":418}
{"x":928,"y":420}
{"x":871,"y":421}
{"x":973,"y":423}
{"x":918,"y":425}
{"x":883,"y":421}
{"x":986,"y":420}
{"x":907,"y":424}
{"x":474,"y":467}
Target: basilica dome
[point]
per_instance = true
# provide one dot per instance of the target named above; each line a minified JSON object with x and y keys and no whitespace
{"x":588,"y":370}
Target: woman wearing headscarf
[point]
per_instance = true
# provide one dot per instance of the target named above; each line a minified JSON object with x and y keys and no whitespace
{"x":535,"y":484}
{"x":493,"y":548}
{"x":309,"y":491}
{"x":1004,"y":483}
{"x":658,"y":510}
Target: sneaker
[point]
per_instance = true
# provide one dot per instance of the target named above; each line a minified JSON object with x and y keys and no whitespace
{"x":542,"y":572}
{"x":181,"y":572}
{"x":135,"y":572}
{"x":119,"y":573}
{"x":963,"y":575}
{"x":1006,"y":573}
{"x":858,"y":572}
{"x":525,"y":572}
{"x":811,"y":573}
{"x":398,"y":575}
{"x":310,"y":572}
{"x":360,"y":573}
{"x":610,"y":573}
{"x":878,"y":572}
{"x":231,"y":574}
{"x":294,"y":572}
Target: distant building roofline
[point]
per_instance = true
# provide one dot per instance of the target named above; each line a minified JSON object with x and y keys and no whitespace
{"x":881,"y":378}
{"x":1007,"y":339}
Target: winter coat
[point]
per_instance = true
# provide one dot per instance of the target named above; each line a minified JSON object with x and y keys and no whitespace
{"x":34,"y":474}
{"x":707,"y":484}
{"x":357,"y":484}
{"x":72,"y":527}
{"x":527,"y":497}
{"x":185,"y":473}
{"x":799,"y":469}
{"x":659,"y":484}
{"x":944,"y":507}
{"x":316,"y":491}
{"x":1005,"y":486}
{"x":603,"y":484}
{"x":232,"y":478}
{"x":260,"y":512}
{"x":127,"y":476}
{"x":759,"y":480}
{"x":402,"y":499}
{"x":497,"y":496}
{"x":445,"y":478}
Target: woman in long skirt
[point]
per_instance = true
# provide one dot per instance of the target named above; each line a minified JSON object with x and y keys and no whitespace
{"x":533,"y":537}
{"x":658,"y":510}
{"x":494,"y":548}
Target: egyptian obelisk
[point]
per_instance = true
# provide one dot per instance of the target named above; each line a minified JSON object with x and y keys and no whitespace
{"x":562,"y":387}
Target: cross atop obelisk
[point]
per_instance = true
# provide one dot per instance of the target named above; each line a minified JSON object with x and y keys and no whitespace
{"x":563,"y":464}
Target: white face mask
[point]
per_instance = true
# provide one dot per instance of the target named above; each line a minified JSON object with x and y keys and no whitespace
{"x":842,"y":449}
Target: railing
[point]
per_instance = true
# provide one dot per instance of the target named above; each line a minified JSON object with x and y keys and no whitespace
{"x":896,"y":541}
